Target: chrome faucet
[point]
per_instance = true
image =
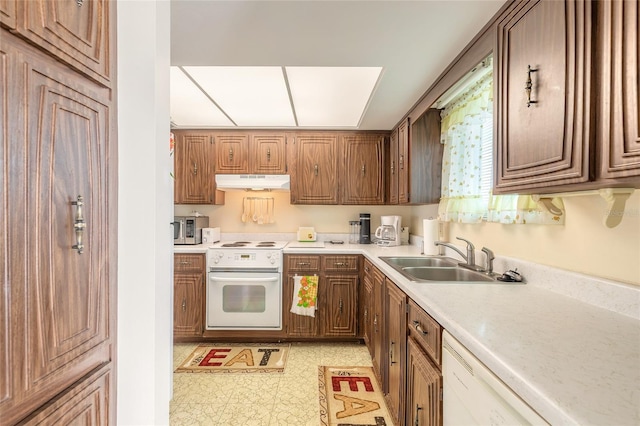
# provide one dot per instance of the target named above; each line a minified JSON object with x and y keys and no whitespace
{"x":490,"y":256}
{"x":469,"y":258}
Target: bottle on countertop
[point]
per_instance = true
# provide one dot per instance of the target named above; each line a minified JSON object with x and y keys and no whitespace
{"x":365,"y":228}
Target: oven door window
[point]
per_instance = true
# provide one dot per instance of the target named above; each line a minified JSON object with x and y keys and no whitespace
{"x":244,"y":298}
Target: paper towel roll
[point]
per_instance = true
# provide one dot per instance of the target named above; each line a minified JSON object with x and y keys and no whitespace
{"x":430,"y":230}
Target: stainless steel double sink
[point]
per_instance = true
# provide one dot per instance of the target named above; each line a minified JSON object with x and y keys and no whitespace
{"x":436,"y":269}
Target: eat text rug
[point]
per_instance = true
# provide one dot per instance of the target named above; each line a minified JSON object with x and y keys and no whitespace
{"x":236,"y":358}
{"x":351,"y":396}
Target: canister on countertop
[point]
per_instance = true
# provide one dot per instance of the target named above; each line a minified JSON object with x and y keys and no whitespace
{"x":354,"y":232}
{"x":365,"y":228}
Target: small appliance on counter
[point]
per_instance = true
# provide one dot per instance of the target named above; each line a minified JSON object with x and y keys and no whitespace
{"x":390,"y":231}
{"x":307,"y":233}
{"x":210,"y":235}
{"x":365,"y":228}
{"x":188,"y":229}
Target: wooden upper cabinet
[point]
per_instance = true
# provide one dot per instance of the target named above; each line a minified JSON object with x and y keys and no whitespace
{"x":193,"y":164}
{"x":618,"y":119}
{"x":313,"y":163}
{"x":403,"y":162}
{"x":363,"y":169}
{"x":232,"y":153}
{"x":268,"y":154}
{"x":543,"y":137}
{"x":392,"y":167}
{"x":75,"y":31}
{"x":425,"y":159}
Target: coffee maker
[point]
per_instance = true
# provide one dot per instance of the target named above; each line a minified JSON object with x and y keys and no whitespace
{"x":389,"y":231}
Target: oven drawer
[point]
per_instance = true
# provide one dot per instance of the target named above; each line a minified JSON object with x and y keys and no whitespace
{"x":344,"y":263}
{"x":188,"y":262}
{"x":298,"y":263}
{"x":426,"y":331}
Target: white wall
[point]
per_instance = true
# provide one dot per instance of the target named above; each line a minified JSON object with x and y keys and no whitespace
{"x":145,"y":200}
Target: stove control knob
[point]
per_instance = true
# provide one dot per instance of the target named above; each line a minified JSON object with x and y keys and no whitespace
{"x":273,"y":261}
{"x":268,"y":255}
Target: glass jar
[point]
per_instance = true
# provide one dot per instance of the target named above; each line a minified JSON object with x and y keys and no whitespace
{"x":354,"y":231}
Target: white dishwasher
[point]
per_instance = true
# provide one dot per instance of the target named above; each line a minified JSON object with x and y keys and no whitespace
{"x":473,"y":395}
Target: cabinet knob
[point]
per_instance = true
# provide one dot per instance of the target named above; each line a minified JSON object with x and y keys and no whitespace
{"x":195,"y":168}
{"x":315,"y":169}
{"x":268,"y":155}
{"x":364,"y":171}
{"x":79,"y":224}
{"x":230,"y":155}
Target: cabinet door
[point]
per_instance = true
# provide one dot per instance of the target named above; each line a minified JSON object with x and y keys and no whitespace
{"x":8,"y":12}
{"x":75,"y":31}
{"x":86,"y":404}
{"x":425,"y":165}
{"x":193,"y":156}
{"x":363,"y":169}
{"x":188,"y":293}
{"x":314,"y":169}
{"x":297,"y":325}
{"x":268,"y":154}
{"x":424,"y":389}
{"x":394,"y":148}
{"x":378,"y":321}
{"x":338,"y":305}
{"x":396,"y":340}
{"x":59,"y":302}
{"x":619,"y":117}
{"x":547,"y":141}
{"x":232,"y":154}
{"x":367,"y":304}
{"x":403,"y":162}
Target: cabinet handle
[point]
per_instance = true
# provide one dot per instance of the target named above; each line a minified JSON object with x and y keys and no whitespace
{"x":185,"y":262}
{"x":393,"y":167}
{"x":363,"y":170}
{"x":529,"y":85}
{"x":417,"y":419}
{"x":375,"y":323}
{"x":79,"y":3}
{"x":268,"y":155}
{"x":340,"y":306}
{"x":401,"y":162}
{"x":366,"y":314}
{"x":391,"y":361}
{"x":366,"y":269}
{"x":195,"y":168}
{"x":315,"y":169}
{"x":340,"y":264}
{"x":79,"y":224}
{"x":418,"y":327}
{"x":184,"y":305}
{"x":303,"y":264}
{"x":231,"y":155}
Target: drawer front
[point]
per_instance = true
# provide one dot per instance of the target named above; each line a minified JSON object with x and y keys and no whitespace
{"x":299,"y":263}
{"x":188,"y":262}
{"x":426,"y":331}
{"x":347,"y":263}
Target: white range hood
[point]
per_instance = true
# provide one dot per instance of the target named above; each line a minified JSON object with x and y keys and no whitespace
{"x":253,"y":182}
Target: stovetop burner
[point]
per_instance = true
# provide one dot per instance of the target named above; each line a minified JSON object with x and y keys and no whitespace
{"x":251,"y":244}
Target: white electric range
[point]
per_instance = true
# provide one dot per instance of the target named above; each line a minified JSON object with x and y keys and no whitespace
{"x":244,"y":285}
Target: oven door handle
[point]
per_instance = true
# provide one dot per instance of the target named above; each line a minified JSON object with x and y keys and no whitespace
{"x":244,"y":280}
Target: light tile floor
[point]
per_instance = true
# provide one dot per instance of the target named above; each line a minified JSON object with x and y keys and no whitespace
{"x":259,"y":399}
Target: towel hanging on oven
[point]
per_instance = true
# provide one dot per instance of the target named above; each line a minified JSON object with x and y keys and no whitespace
{"x":305,"y":295}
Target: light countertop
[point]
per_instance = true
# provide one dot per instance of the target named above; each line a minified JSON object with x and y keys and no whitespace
{"x":567,"y":343}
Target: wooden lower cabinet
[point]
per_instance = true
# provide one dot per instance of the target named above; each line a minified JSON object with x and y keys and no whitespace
{"x":188,"y":295}
{"x":374,"y":320}
{"x":396,"y":341}
{"x":424,"y":388}
{"x":336,"y":315}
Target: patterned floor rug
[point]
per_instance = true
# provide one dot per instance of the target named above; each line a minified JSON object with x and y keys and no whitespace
{"x":351,"y":396}
{"x":236,"y":358}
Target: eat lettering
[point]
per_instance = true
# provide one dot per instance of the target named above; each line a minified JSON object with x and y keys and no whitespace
{"x":245,"y":356}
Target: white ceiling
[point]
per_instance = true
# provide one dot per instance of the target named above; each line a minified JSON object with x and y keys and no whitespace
{"x":413,"y":41}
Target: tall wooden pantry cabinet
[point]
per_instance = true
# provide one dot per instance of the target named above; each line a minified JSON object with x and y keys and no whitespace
{"x":58,"y":164}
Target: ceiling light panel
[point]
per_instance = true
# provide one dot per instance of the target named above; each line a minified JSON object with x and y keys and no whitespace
{"x":251,"y":96}
{"x":191,"y":107}
{"x":331,"y":96}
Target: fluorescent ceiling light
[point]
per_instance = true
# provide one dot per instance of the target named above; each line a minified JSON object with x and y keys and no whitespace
{"x":226,"y":96}
{"x":191,"y":107}
{"x":331,"y":96}
{"x":251,"y":96}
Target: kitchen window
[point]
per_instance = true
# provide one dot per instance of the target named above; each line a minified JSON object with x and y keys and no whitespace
{"x":467,"y":166}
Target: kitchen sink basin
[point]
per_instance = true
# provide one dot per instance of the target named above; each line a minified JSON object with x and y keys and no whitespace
{"x":436,"y":269}
{"x":445,"y":274}
{"x":421,"y":262}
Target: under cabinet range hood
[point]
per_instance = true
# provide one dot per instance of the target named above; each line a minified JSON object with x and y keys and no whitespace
{"x":253,"y":182}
